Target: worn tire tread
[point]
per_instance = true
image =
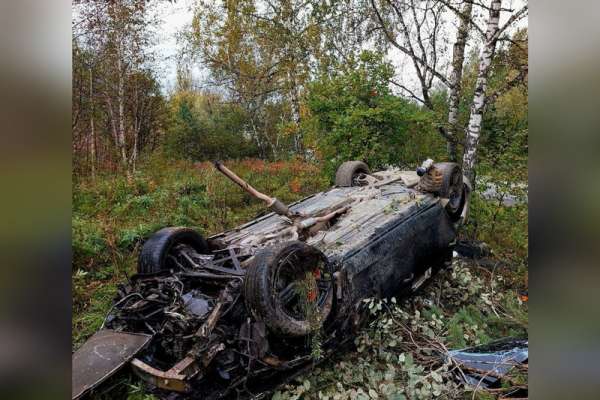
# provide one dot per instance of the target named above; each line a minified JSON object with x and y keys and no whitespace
{"x":258,"y":290}
{"x":448,"y":169}
{"x":345,"y":172}
{"x":155,"y":249}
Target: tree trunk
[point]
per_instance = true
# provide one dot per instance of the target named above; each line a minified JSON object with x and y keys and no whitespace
{"x":121,"y":112}
{"x":92,"y":131}
{"x":134,"y":154}
{"x":296,"y":119}
{"x":458,"y":59}
{"x":254,"y":134}
{"x":473,"y":130}
{"x":295,"y":103}
{"x":137,"y":124}
{"x":113,"y":124}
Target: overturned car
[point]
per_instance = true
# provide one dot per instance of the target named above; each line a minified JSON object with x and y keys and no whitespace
{"x":235,"y":314}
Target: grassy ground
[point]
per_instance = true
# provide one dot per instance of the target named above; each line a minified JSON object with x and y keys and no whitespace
{"x":465,"y":306}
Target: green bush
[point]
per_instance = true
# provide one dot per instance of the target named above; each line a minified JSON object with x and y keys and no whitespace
{"x":203,"y":127}
{"x":352,"y":115}
{"x":87,"y":240}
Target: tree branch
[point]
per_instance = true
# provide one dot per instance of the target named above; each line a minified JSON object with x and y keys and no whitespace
{"x":460,"y":14}
{"x":517,"y":80}
{"x":410,"y":92}
{"x":406,"y":50}
{"x":513,"y":18}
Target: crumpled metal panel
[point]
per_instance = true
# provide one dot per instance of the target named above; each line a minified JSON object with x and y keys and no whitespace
{"x":101,"y":356}
{"x":486,"y":364}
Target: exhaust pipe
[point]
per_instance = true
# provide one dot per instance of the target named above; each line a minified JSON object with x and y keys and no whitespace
{"x":272,"y":203}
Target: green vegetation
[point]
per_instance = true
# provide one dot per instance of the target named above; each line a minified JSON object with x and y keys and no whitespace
{"x":353,"y":115}
{"x":203,"y":127}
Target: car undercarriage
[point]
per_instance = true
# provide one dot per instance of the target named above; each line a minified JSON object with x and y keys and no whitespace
{"x":238,"y":313}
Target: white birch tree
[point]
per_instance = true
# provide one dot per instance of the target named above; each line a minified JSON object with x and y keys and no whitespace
{"x":119,"y":35}
{"x":414,"y":27}
{"x":473,"y":129}
{"x":455,"y":81}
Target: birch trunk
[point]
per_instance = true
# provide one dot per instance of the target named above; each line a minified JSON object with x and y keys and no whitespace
{"x":121,"y":117}
{"x":296,"y":119}
{"x":137,"y":125}
{"x":458,"y":59}
{"x":121,"y":110}
{"x":473,"y":130}
{"x":92,"y":130}
{"x":113,"y":124}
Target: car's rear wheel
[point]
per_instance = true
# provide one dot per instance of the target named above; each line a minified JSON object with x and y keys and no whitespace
{"x":349,"y":173}
{"x":452,"y":187}
{"x":289,"y":287}
{"x":156,"y":251}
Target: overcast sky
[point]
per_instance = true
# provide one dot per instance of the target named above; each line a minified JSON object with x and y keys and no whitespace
{"x":175,"y":16}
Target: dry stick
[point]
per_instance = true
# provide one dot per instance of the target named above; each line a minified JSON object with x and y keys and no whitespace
{"x":439,"y":343}
{"x":492,"y":289}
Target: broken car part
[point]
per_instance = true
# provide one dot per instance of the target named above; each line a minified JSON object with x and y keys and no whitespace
{"x":101,"y":356}
{"x":273,"y":204}
{"x":484,"y":366}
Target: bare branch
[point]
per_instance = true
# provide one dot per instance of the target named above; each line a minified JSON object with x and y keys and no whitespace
{"x":517,"y":80}
{"x":407,"y":90}
{"x":461,"y":14}
{"x":404,"y":49}
{"x":522,"y":13}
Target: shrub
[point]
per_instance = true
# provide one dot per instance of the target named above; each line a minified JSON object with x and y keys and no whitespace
{"x":203,"y":127}
{"x":353,"y":115}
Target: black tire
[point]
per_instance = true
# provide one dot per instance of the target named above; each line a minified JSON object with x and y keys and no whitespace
{"x":153,"y":256}
{"x":264,"y":286}
{"x":452,"y":188}
{"x":346,"y":174}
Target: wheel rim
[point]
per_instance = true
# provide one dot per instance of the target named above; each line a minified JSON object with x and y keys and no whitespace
{"x":302,"y":291}
{"x":357,"y":178}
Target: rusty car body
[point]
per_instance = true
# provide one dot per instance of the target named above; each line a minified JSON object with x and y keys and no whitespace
{"x":233,"y":315}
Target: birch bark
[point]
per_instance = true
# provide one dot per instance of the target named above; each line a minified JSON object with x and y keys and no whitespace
{"x":458,"y":59}
{"x":121,"y":111}
{"x":296,"y":116}
{"x":92,"y":130}
{"x":473,"y":130}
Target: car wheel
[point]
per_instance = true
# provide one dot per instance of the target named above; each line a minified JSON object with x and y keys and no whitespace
{"x":154,"y":256}
{"x":349,"y":172}
{"x":452,"y":188}
{"x":289,"y":287}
